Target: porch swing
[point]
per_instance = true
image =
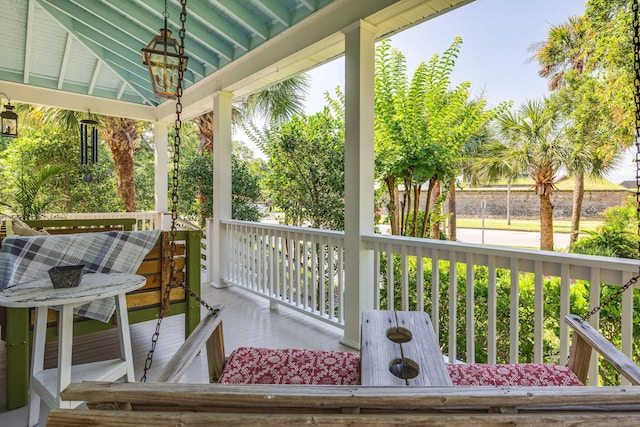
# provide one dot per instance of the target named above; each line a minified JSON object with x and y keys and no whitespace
{"x":258,"y":402}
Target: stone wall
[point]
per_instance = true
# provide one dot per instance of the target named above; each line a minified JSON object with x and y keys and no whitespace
{"x":525,"y":204}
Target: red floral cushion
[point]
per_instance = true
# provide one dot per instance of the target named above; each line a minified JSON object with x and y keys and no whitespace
{"x":250,"y":365}
{"x":520,"y":374}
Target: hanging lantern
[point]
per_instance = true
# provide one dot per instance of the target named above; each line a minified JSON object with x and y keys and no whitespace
{"x":163,"y":59}
{"x":8,"y":119}
{"x":88,"y":140}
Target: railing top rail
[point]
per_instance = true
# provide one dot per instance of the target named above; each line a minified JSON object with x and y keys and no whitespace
{"x":286,"y":228}
{"x":621,"y":264}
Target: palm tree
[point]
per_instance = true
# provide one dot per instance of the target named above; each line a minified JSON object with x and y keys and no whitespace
{"x":29,"y":202}
{"x":530,"y":140}
{"x":566,"y":49}
{"x":122,"y":135}
{"x":563,"y":60}
{"x":275,"y":104}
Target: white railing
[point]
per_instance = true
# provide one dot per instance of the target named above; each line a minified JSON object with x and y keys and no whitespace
{"x":299,"y":267}
{"x":204,"y":263}
{"x":303,"y":269}
{"x":144,"y":220}
{"x":453,"y":257}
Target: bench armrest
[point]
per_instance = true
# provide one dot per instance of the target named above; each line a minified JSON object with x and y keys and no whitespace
{"x":586,"y":338}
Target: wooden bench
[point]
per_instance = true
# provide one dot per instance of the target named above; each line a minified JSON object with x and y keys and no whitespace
{"x":159,"y":405}
{"x":143,"y":305}
{"x":168,"y":404}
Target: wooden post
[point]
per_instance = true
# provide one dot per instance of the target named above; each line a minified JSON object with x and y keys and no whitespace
{"x":18,"y":346}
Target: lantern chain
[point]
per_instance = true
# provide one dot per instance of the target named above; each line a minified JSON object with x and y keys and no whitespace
{"x":174,"y":204}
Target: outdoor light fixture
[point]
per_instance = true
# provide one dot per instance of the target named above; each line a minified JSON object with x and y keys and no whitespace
{"x":162,"y":56}
{"x":88,"y":140}
{"x":8,"y":119}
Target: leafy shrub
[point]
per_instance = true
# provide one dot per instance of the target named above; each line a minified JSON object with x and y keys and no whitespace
{"x":617,"y":237}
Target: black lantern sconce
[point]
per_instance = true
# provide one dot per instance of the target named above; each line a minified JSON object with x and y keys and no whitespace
{"x":8,"y":119}
{"x":163,"y":58}
{"x":88,"y":140}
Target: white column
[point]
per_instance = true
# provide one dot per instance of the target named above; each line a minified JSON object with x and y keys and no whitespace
{"x":359,"y":102}
{"x":161,"y":178}
{"x":221,"y":185}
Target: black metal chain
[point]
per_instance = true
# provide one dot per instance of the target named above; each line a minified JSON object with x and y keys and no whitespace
{"x":636,"y":84}
{"x":174,"y":283}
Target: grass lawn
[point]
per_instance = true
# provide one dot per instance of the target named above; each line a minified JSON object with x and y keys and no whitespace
{"x":522,"y":184}
{"x":559,"y":226}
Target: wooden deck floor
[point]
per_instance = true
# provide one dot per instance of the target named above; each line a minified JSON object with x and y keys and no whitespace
{"x":247,"y":320}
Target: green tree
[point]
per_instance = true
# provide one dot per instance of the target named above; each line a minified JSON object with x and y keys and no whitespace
{"x":609,"y":23}
{"x":563,"y":58}
{"x":566,"y":49}
{"x":277,"y":103}
{"x":196,"y":192}
{"x":76,"y":188}
{"x":274,"y":105}
{"x":306,"y":169}
{"x":531,"y":140}
{"x":421,"y":127}
{"x":120,"y":134}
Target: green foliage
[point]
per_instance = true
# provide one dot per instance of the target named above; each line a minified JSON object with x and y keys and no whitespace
{"x":609,"y":24}
{"x":617,"y":237}
{"x":144,"y":159}
{"x":29,"y":202}
{"x":245,"y":190}
{"x":196,"y":188}
{"x":75,"y":188}
{"x":422,"y":125}
{"x":277,"y":103}
{"x":306,"y":169}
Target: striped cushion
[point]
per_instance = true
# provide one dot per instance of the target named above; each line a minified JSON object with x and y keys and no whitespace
{"x":250,"y":365}
{"x":520,"y":374}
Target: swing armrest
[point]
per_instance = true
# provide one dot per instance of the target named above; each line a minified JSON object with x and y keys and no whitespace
{"x":209,"y":332}
{"x":586,"y":338}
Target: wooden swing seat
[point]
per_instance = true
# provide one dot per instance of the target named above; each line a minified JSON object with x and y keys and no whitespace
{"x":167,"y":404}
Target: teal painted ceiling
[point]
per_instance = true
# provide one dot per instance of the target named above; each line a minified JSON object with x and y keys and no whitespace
{"x":93,"y":46}
{"x":86,"y":54}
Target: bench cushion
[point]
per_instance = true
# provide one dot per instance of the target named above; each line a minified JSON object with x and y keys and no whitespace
{"x":521,"y":374}
{"x":250,"y":365}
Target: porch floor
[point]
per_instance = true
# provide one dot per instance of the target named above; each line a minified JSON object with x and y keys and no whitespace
{"x":247,"y":321}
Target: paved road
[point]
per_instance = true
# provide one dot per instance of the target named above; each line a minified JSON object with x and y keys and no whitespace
{"x":510,"y":238}
{"x":527,"y":239}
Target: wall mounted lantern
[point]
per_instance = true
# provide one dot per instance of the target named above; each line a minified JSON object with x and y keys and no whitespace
{"x":163,"y":58}
{"x":8,"y":119}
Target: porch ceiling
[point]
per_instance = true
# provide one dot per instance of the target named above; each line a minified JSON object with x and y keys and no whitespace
{"x":85,"y":54}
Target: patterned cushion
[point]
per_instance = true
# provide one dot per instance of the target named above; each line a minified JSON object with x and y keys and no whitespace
{"x":250,"y":365}
{"x":521,"y":374}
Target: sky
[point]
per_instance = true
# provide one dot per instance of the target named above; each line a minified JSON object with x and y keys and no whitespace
{"x":495,"y":55}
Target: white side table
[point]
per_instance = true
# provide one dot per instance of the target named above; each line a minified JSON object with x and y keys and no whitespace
{"x":47,"y":384}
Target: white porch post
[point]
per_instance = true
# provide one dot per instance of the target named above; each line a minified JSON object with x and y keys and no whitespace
{"x":359,"y":102}
{"x":221,"y":185}
{"x":161,"y":178}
